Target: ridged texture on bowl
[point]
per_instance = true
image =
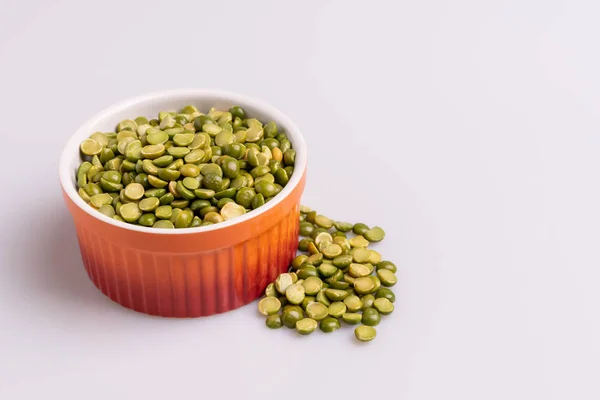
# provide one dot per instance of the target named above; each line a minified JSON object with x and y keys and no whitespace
{"x":189,"y":275}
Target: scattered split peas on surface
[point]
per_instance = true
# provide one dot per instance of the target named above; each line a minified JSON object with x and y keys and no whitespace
{"x":184,"y":169}
{"x":340,"y":279}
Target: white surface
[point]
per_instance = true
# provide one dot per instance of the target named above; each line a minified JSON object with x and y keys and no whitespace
{"x":150,"y":105}
{"x":475,"y":124}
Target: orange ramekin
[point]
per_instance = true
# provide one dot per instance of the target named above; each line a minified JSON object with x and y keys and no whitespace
{"x":189,"y":272}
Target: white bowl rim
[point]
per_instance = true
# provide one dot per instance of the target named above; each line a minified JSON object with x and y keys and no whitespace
{"x":72,"y":146}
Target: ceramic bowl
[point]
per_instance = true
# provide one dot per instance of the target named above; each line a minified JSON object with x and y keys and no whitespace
{"x":195,"y":271}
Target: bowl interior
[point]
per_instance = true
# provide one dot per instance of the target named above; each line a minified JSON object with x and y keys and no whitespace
{"x":149,"y":106}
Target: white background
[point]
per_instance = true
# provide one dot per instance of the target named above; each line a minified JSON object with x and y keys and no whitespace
{"x":467,"y":129}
